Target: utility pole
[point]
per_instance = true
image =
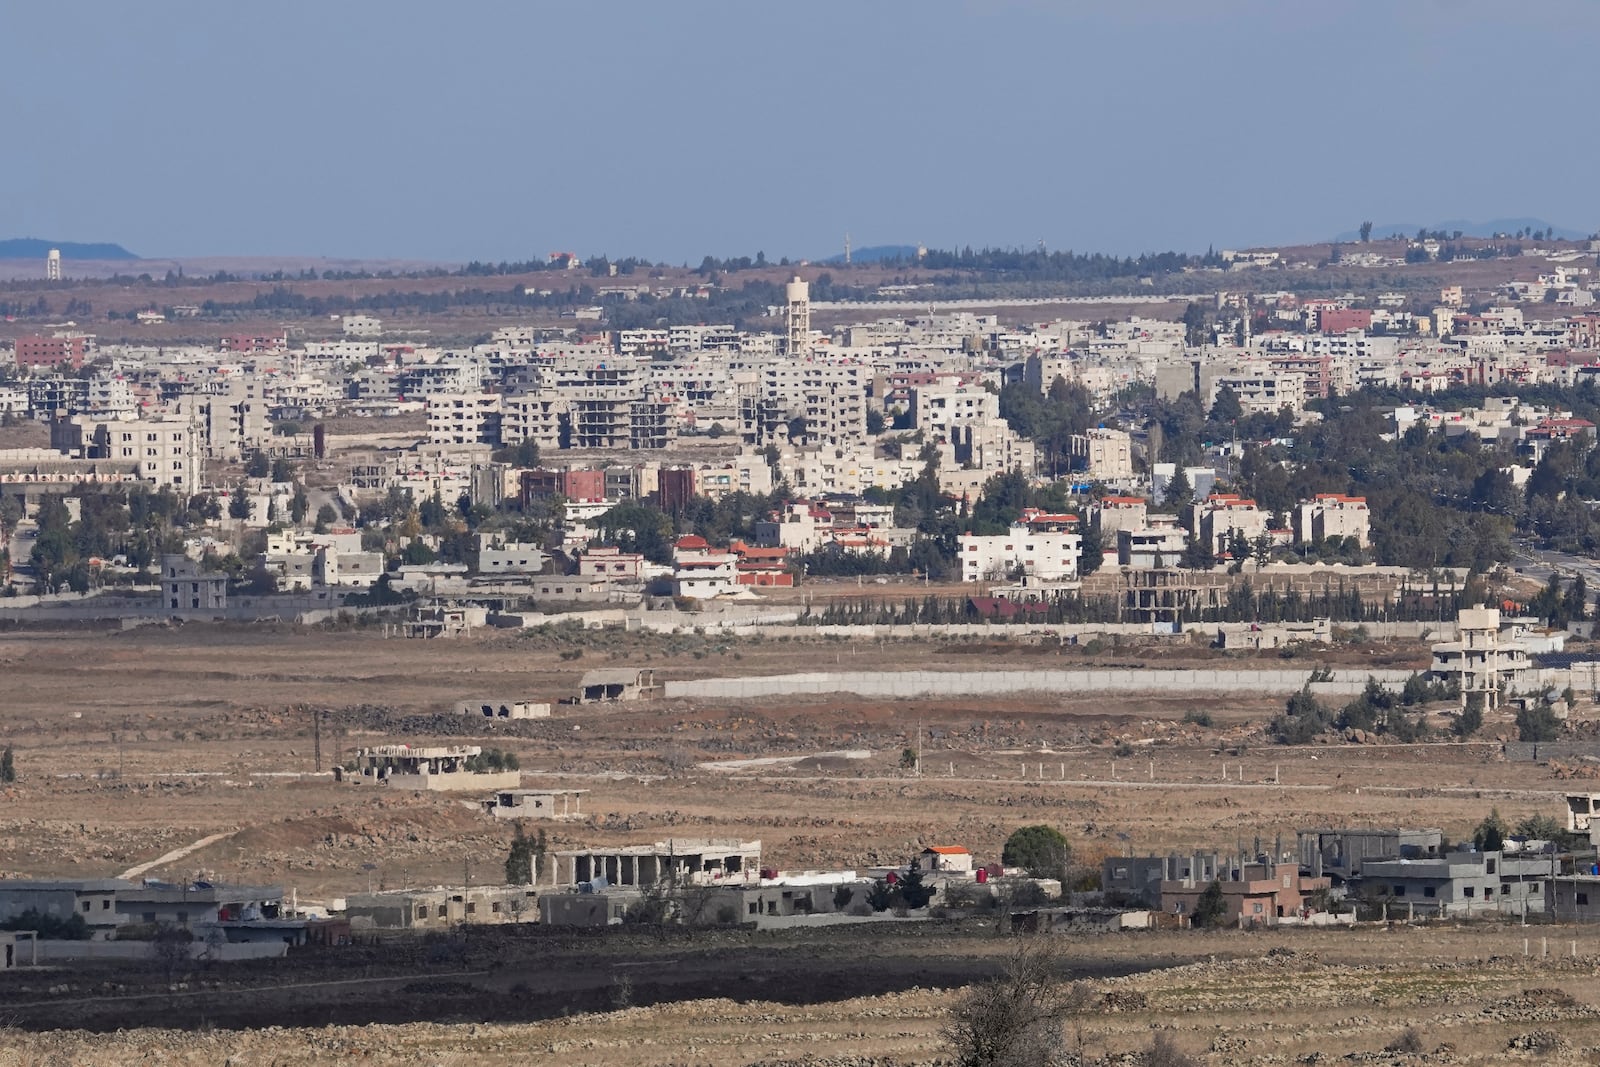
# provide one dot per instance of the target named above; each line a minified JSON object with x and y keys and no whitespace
{"x":316,"y":737}
{"x":919,"y":748}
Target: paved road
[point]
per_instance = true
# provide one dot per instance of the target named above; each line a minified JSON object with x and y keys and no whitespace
{"x":1542,"y":562}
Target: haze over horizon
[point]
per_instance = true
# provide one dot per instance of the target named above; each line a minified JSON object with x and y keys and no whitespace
{"x":505,"y":131}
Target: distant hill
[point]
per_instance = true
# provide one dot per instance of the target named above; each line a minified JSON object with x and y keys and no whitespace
{"x":1467,"y":228}
{"x":34,"y":248}
{"x":875,"y":254}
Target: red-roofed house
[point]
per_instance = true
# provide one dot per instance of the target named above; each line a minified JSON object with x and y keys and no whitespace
{"x":952,"y":858}
{"x":762,"y":567}
{"x":702,"y":572}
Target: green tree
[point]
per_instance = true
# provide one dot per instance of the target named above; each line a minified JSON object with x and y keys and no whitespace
{"x":258,"y":466}
{"x":1469,"y":720}
{"x":874,"y":421}
{"x":1366,"y":232}
{"x":914,"y":891}
{"x":523,"y":859}
{"x":1226,"y":409}
{"x":1040,"y":850}
{"x":282,"y":470}
{"x":1211,"y":906}
{"x":1490,"y":834}
{"x":239,"y":502}
{"x":1538,"y":722}
{"x":1179,"y":494}
{"x":521,"y":454}
{"x":1092,"y":551}
{"x":299,"y":504}
{"x":326,"y":517}
{"x":8,"y":765}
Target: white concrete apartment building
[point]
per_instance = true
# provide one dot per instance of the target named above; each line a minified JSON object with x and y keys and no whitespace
{"x":464,"y":419}
{"x":362,"y":326}
{"x":163,"y":453}
{"x":1332,"y":515}
{"x":1260,"y":387}
{"x":1219,"y":516}
{"x":702,"y":572}
{"x":1045,"y":555}
{"x":941,"y":407}
{"x":830,"y":399}
{"x":534,"y":416}
{"x":1103,"y":454}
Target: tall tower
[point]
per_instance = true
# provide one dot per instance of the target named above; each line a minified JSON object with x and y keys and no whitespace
{"x":52,"y":265}
{"x":798,"y":295}
{"x":847,"y":250}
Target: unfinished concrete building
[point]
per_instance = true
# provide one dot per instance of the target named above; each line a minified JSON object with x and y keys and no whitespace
{"x":442,"y":767}
{"x":617,"y":683}
{"x":679,"y":862}
{"x":536,"y":804}
{"x":503,"y":709}
{"x":441,"y":907}
{"x":1340,"y":853}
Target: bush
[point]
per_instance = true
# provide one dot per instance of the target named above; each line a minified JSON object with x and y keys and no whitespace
{"x":1198,"y":718}
{"x":1409,"y":1040}
{"x":1164,"y":1052}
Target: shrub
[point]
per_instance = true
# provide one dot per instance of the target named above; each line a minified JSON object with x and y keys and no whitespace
{"x":1408,"y":1040}
{"x":1537,"y":722}
{"x":1198,"y":718}
{"x":1164,"y":1052}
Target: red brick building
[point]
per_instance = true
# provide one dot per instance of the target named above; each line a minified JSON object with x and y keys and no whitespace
{"x":51,"y":351}
{"x":1338,"y":320}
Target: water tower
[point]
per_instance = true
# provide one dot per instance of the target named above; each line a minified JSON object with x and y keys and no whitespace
{"x":797,"y":294}
{"x":52,"y":265}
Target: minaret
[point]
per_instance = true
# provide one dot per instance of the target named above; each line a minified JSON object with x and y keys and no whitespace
{"x":798,"y":295}
{"x":52,"y":265}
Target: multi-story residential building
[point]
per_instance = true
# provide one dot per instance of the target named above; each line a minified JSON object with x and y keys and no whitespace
{"x":702,"y":572}
{"x":1217,"y":520}
{"x":161,"y":453}
{"x":1041,"y":547}
{"x":1103,"y":454}
{"x":938,"y":408}
{"x":464,"y":419}
{"x":1332,"y":515}
{"x":37,"y":351}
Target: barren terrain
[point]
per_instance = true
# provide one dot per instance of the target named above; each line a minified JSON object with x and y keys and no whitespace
{"x":130,"y":745}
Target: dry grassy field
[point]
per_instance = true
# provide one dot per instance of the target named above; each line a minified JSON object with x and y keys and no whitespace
{"x":133,"y":744}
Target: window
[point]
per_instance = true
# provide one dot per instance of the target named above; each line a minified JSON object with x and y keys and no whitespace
{"x":1488,"y":866}
{"x":1399,"y":890}
{"x":1469,"y":891}
{"x":1429,"y":891}
{"x":86,"y":905}
{"x":472,"y":908}
{"x":1583,"y":900}
{"x":443,"y":911}
{"x":422,"y":912}
{"x":105,"y":905}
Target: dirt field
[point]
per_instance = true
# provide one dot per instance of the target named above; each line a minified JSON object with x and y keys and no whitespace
{"x":133,"y":744}
{"x":1468,"y":994}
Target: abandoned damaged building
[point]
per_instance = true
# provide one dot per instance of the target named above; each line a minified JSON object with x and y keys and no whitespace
{"x":439,"y":767}
{"x":503,"y":709}
{"x":617,"y":683}
{"x":679,"y":862}
{"x":441,"y":907}
{"x":536,"y":804}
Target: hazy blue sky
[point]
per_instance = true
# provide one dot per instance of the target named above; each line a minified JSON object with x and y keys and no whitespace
{"x":506,"y":130}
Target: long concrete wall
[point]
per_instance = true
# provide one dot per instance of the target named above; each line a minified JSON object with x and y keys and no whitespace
{"x":62,"y":951}
{"x":896,"y":684}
